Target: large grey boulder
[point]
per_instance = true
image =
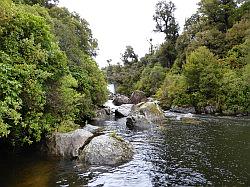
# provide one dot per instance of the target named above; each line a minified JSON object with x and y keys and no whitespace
{"x":144,"y":115}
{"x":107,"y":150}
{"x":151,"y":110}
{"x":102,"y":113}
{"x":138,"y":97}
{"x":121,"y":99}
{"x":123,"y":110}
{"x":68,"y":144}
{"x":138,"y":122}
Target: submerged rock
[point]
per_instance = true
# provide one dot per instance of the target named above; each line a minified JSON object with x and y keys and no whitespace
{"x":123,"y":110}
{"x":121,"y":99}
{"x":68,"y":144}
{"x":184,"y":110}
{"x":138,"y":97}
{"x":107,"y":150}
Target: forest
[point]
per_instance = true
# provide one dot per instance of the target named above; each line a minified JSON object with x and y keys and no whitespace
{"x":51,"y":82}
{"x":49,"y":78}
{"x":207,"y":65}
{"x":177,"y":116}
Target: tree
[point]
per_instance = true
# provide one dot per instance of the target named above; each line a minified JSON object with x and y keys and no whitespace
{"x":213,"y":39}
{"x":166,"y":54}
{"x":151,"y":79}
{"x":203,"y":74}
{"x":218,"y":13}
{"x":165,"y":20}
{"x":173,"y":91}
{"x":76,"y":40}
{"x":73,"y":33}
{"x":129,"y":57}
{"x":32,"y":67}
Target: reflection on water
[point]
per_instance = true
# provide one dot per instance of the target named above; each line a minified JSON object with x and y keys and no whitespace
{"x":215,"y":152}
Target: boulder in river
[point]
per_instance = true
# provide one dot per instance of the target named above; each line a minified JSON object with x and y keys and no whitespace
{"x":107,"y":150}
{"x":123,"y":110}
{"x":103,"y":113}
{"x":68,"y":144}
{"x":120,"y":99}
{"x":138,"y":122}
{"x":144,"y":114}
{"x":151,"y":111}
{"x":138,"y":97}
{"x":210,"y":109}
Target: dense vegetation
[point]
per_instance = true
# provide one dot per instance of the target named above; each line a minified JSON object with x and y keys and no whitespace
{"x":49,"y":79}
{"x":207,"y":65}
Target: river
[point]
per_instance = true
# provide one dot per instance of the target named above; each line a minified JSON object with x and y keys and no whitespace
{"x":213,"y":152}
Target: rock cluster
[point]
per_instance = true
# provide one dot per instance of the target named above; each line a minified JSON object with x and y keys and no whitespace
{"x":89,"y":146}
{"x":92,"y":146}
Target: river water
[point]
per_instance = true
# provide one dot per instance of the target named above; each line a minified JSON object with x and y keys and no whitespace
{"x":215,"y":151}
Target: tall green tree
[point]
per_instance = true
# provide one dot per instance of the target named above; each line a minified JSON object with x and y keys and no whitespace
{"x":129,"y":56}
{"x":165,"y":20}
{"x":218,"y":13}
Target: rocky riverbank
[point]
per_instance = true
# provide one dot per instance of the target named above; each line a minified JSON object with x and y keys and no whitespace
{"x":89,"y":144}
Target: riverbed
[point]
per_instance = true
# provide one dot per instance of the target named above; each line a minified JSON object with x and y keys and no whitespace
{"x":214,"y":151}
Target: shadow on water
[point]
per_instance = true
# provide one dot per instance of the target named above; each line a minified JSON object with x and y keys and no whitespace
{"x":213,"y":152}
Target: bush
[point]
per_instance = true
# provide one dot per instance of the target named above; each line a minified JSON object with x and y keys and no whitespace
{"x":32,"y":74}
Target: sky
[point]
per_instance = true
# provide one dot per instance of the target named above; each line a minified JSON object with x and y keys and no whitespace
{"x":119,"y":23}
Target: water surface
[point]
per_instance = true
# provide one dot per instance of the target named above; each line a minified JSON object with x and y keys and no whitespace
{"x":213,"y":152}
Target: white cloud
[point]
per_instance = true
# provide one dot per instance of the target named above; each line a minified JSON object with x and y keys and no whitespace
{"x":117,"y":23}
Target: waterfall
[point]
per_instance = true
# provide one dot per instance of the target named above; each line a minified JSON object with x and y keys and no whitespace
{"x":111,"y":88}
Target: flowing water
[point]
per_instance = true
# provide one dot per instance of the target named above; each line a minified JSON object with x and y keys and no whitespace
{"x":215,"y":151}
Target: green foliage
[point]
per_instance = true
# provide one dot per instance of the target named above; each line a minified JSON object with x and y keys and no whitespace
{"x":76,"y":40}
{"x":125,"y":77}
{"x":29,"y":58}
{"x":45,"y":87}
{"x":128,"y":76}
{"x":173,"y":91}
{"x":212,"y":39}
{"x":73,"y":33}
{"x":203,"y":75}
{"x":151,"y":79}
{"x":218,"y":13}
{"x":67,"y":126}
{"x":198,"y":78}
{"x":166,"y":54}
